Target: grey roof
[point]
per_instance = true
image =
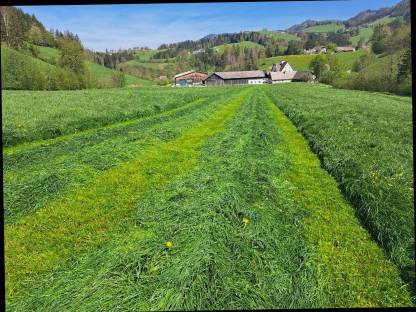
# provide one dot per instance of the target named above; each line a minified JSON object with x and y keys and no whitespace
{"x":240,"y":74}
{"x":185,"y":73}
{"x":344,"y":49}
{"x":282,"y":76}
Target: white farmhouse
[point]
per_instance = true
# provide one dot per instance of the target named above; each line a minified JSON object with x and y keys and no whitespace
{"x":283,"y":67}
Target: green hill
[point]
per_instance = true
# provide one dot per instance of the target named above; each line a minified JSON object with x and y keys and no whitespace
{"x":279,"y":35}
{"x":325,"y":28}
{"x":241,"y":45}
{"x":100,"y":74}
{"x":23,"y":71}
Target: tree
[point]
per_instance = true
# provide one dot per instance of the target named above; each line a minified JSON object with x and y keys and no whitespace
{"x":118,"y":78}
{"x":364,"y":61}
{"x":72,"y":56}
{"x":359,"y":44}
{"x":319,"y":65}
{"x":377,"y":39}
{"x":294,"y":47}
{"x":405,"y":66}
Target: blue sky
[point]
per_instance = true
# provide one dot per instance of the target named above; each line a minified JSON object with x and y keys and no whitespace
{"x":129,"y":25}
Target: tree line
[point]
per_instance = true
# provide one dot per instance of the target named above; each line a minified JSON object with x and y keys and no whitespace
{"x":387,"y":67}
{"x":22,"y":34}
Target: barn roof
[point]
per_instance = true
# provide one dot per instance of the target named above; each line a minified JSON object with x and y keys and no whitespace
{"x":240,"y":74}
{"x":340,"y":49}
{"x":282,"y":76}
{"x":186,"y":73}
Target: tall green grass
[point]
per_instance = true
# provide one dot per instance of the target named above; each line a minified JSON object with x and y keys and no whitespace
{"x":32,"y":115}
{"x":365,"y":141}
{"x":301,"y":247}
{"x":103,"y":206}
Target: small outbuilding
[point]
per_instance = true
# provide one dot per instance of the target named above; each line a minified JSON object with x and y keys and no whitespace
{"x":189,"y":78}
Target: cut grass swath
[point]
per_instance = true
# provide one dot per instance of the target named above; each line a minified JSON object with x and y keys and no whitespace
{"x":61,"y":229}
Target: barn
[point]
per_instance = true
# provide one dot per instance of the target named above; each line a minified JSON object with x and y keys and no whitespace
{"x":236,"y":77}
{"x":189,"y":78}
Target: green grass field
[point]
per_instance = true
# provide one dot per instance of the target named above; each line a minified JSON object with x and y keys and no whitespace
{"x":302,"y":61}
{"x":206,"y":198}
{"x":101,"y":74}
{"x":22,"y":63}
{"x":240,"y":45}
{"x":279,"y":35}
{"x":331,"y":27}
{"x":145,"y":55}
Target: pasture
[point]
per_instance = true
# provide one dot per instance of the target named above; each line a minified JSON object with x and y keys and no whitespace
{"x":207,"y":198}
{"x":301,"y":62}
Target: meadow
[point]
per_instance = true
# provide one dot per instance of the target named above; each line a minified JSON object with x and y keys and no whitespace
{"x":301,"y":62}
{"x":206,"y":198}
{"x":330,"y":27}
{"x":101,"y":75}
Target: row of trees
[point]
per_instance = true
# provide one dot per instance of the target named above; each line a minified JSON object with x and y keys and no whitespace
{"x":111,"y":59}
{"x":23,"y":33}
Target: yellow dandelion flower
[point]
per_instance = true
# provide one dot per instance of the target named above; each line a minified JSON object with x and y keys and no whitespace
{"x":155,"y":269}
{"x":246,"y":221}
{"x":169,"y":244}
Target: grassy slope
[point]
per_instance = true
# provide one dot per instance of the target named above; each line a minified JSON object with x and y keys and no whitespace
{"x":39,"y":64}
{"x":101,"y":73}
{"x":140,"y":64}
{"x":301,"y":62}
{"x":279,"y":35}
{"x":324,"y":28}
{"x":241,"y":45}
{"x":367,"y":32}
{"x":145,"y":55}
{"x":365,"y":141}
{"x":238,"y":156}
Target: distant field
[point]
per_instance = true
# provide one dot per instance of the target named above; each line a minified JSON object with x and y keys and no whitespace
{"x":139,"y":64}
{"x":241,"y":45}
{"x":302,"y":61}
{"x":332,"y":27}
{"x":279,"y":35}
{"x":206,"y":198}
{"x":145,"y":55}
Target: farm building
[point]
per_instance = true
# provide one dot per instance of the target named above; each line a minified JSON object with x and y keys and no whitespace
{"x":198,"y":51}
{"x":283,"y":72}
{"x":319,"y":49}
{"x":236,"y":77}
{"x":189,"y":78}
{"x":344,"y":49}
{"x":292,"y":76}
